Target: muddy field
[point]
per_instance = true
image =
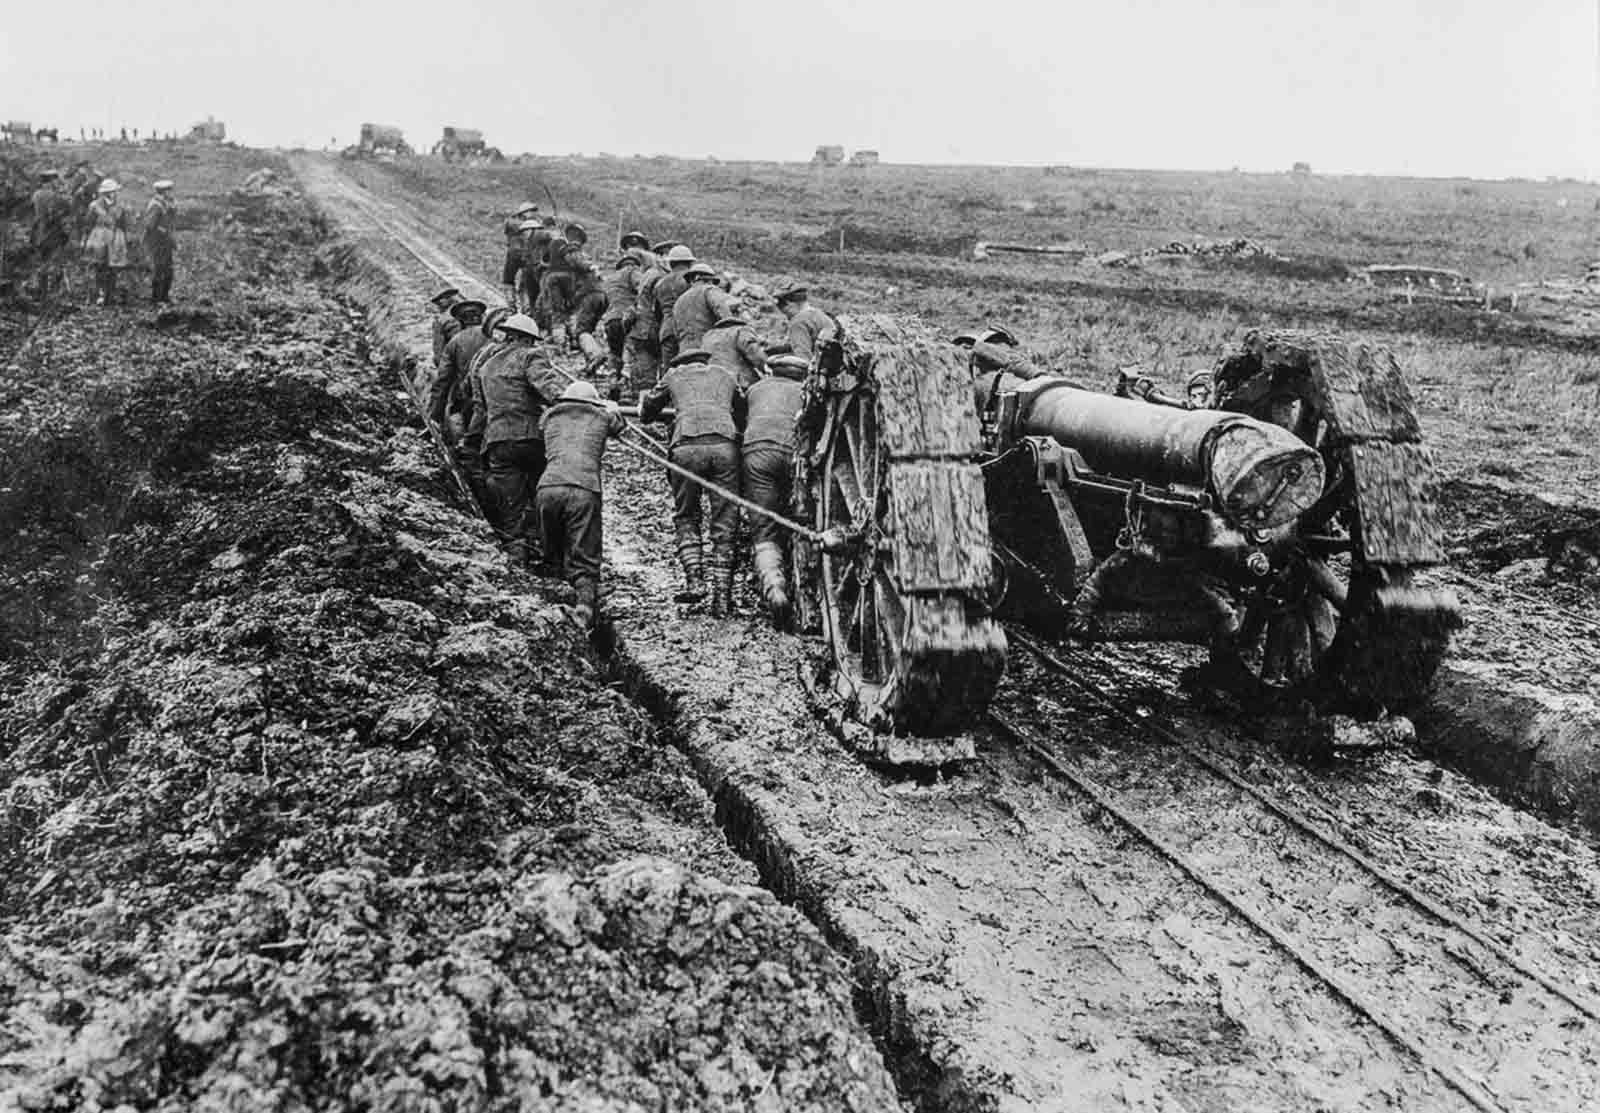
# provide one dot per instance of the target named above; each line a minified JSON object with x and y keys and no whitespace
{"x":307,"y":799}
{"x":310,"y":800}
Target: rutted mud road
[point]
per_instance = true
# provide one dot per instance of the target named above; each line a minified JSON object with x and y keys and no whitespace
{"x":1016,"y":949}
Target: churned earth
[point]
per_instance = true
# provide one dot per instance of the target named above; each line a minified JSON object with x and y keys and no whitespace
{"x":1015,"y":947}
{"x":307,"y":798}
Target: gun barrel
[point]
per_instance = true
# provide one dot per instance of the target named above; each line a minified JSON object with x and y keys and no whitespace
{"x":1262,"y":474}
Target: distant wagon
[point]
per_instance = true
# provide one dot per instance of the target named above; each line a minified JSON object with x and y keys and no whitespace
{"x":828,"y":155}
{"x":459,"y":144}
{"x":864,"y":157}
{"x":209,"y":130}
{"x":17,"y":131}
{"x":383,"y":139}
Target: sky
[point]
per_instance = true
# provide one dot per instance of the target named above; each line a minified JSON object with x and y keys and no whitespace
{"x":1479,"y":88}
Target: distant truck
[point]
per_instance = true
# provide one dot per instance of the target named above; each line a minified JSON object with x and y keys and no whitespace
{"x":465,"y":145}
{"x":17,"y":131}
{"x":864,"y":157}
{"x":209,"y":130}
{"x":828,"y":155}
{"x":382,"y":139}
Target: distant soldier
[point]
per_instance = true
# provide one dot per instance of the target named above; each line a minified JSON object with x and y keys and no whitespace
{"x":657,"y":298}
{"x":768,"y":449}
{"x":516,"y":242}
{"x":734,"y":344}
{"x":576,"y":430}
{"x":1197,"y":391}
{"x":808,"y":325}
{"x":160,"y":218}
{"x":699,"y":307}
{"x":569,"y":284}
{"x":513,"y":387}
{"x":622,"y":283}
{"x":470,"y":451}
{"x":535,"y":254}
{"x":705,"y":440}
{"x":444,"y":325}
{"x":105,"y":248}
{"x":50,"y":234}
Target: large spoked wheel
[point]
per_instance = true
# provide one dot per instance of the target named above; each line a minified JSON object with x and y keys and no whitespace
{"x":1331,"y":627}
{"x":912,"y":650}
{"x":864,"y":616}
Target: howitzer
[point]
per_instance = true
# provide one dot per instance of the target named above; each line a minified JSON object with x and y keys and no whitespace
{"x":1281,"y":531}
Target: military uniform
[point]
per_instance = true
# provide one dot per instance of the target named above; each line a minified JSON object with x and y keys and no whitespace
{"x":807,"y":331}
{"x":700,"y":307}
{"x":515,"y":259}
{"x":664,"y":297}
{"x":705,"y":441}
{"x":512,"y":388}
{"x":106,"y":246}
{"x":49,"y":233}
{"x":621,"y":284}
{"x":735,"y":345}
{"x":160,"y":215}
{"x":568,"y":499}
{"x":768,"y":449}
{"x":535,"y":253}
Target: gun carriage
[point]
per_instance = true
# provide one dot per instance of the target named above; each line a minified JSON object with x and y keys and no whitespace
{"x":1283,"y":531}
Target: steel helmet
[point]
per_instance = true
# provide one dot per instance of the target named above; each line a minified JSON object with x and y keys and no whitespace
{"x":994,"y":334}
{"x":108,"y":186}
{"x":526,"y":207}
{"x":520,"y":323}
{"x":580,"y":391}
{"x":680,"y":254}
{"x":576,"y":233}
{"x":702,"y":270}
{"x":633,"y":239}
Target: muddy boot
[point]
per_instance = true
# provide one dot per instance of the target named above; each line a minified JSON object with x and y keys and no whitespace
{"x":694,"y":583}
{"x":721,"y":575}
{"x":774,"y":588}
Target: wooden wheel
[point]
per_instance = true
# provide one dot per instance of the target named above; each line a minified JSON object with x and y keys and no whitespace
{"x":891,"y":477}
{"x":1342,"y":622}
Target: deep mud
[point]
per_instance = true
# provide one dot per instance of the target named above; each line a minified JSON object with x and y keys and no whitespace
{"x":307,"y":798}
{"x":1017,"y":949}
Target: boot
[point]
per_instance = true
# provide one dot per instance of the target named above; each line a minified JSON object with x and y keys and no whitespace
{"x":594,"y":355}
{"x":721,"y":573}
{"x":774,"y":588}
{"x":694,"y":584}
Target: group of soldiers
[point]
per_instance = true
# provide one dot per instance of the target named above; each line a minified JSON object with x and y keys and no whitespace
{"x":84,"y":210}
{"x":661,"y":331}
{"x":662,"y":334}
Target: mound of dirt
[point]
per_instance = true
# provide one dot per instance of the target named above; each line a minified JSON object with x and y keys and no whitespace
{"x":307,"y":797}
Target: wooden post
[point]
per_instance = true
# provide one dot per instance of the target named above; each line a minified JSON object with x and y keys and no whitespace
{"x":841,"y":239}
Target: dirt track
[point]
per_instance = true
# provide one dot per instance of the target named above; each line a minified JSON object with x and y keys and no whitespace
{"x":1021,"y":951}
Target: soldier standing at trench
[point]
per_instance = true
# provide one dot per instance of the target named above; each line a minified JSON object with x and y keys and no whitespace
{"x":565,"y":269}
{"x":444,"y":325}
{"x":49,"y":233}
{"x":768,"y":451}
{"x":537,"y":237}
{"x":699,"y":307}
{"x":160,"y":240}
{"x":808,"y":326}
{"x":516,"y":243}
{"x":106,"y":246}
{"x":705,"y":440}
{"x":513,"y":387}
{"x":576,"y":430}
{"x":735,"y":345}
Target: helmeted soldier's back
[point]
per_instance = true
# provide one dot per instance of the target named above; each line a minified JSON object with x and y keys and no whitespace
{"x":773,"y":405}
{"x":575,"y":435}
{"x":703,"y":396}
{"x":517,"y":382}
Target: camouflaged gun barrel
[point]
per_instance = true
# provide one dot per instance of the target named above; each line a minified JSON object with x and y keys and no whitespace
{"x":1262,"y":475}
